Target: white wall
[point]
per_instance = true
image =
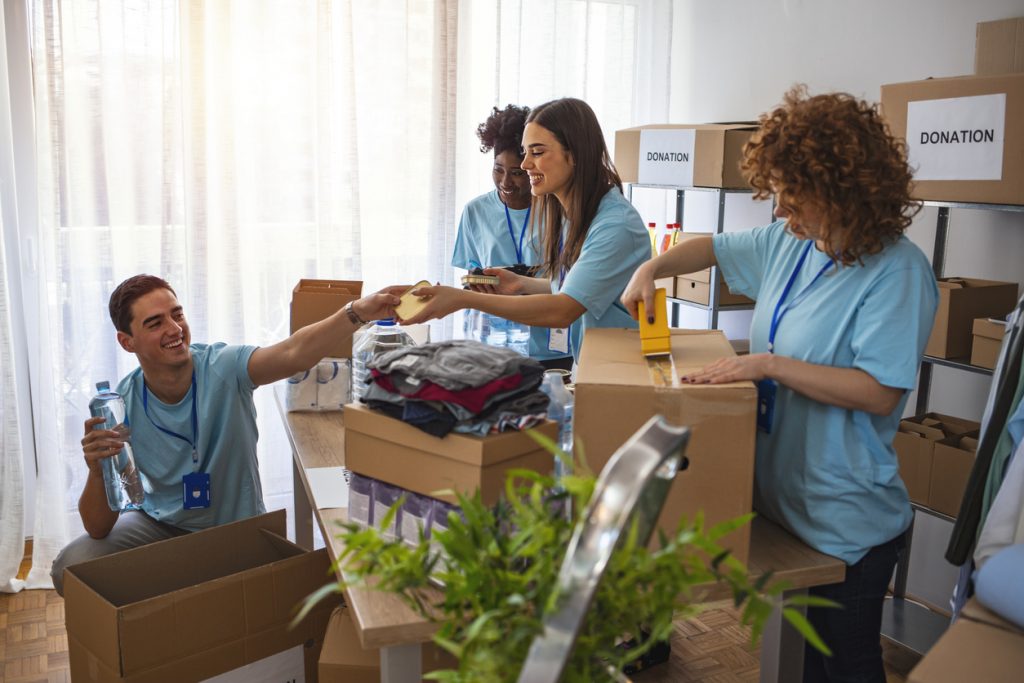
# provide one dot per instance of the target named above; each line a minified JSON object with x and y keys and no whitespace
{"x":733,"y":60}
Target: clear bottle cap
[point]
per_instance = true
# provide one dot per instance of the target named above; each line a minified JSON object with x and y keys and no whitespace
{"x":103,"y":386}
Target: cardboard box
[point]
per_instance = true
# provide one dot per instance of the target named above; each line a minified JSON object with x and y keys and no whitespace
{"x":988,"y":340}
{"x":961,"y":300}
{"x":999,"y":47}
{"x":683,"y":155}
{"x":980,"y":646}
{"x":951,"y":468}
{"x":669,"y":283}
{"x":615,"y":396}
{"x":343,"y":660}
{"x":314,"y":300}
{"x":197,"y":606}
{"x":915,"y":449}
{"x":965,"y":136}
{"x":390,"y":450}
{"x":699,"y":290}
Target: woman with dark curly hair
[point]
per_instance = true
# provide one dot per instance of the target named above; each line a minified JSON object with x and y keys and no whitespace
{"x":845,"y":304}
{"x":586,"y":261}
{"x":494,"y":230}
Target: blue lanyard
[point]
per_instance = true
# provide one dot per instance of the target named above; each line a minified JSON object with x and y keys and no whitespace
{"x":522,"y":233}
{"x":779,"y":311}
{"x":195,"y":421}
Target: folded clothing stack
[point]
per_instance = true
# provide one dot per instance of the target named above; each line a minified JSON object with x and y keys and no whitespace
{"x":461,"y":385}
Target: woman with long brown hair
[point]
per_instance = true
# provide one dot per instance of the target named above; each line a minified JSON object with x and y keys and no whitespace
{"x":845,"y":304}
{"x":592,"y":238}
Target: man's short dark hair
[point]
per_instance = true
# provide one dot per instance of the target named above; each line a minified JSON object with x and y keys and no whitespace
{"x":127,"y":293}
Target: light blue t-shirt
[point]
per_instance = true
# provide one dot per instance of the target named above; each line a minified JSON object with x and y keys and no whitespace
{"x":830,"y":474}
{"x":227,"y":440}
{"x":616,"y":244}
{"x":484,"y":241}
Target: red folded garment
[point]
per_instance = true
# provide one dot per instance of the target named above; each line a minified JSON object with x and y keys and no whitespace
{"x":473,"y":399}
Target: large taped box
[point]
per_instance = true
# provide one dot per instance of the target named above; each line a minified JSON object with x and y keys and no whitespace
{"x":683,"y":155}
{"x":999,"y":47}
{"x":616,"y":395}
{"x":392,"y":451}
{"x":961,"y":300}
{"x":980,"y":646}
{"x":343,"y":659}
{"x":214,"y":604}
{"x":314,"y":300}
{"x":965,"y":136}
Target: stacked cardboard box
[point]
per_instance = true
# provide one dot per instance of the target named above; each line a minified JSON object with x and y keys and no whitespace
{"x":392,"y":451}
{"x":961,"y":300}
{"x":683,"y":155}
{"x":198,"y":606}
{"x":616,"y":395}
{"x":936,"y":482}
{"x":987,"y":341}
{"x":999,"y":47}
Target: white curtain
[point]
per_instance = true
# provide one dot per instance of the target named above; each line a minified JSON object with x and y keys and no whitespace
{"x":236,"y":146}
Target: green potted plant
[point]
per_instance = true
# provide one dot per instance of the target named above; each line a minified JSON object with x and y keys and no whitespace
{"x":499,"y":568}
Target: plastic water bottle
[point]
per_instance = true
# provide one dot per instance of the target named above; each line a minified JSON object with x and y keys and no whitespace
{"x":497,"y":330}
{"x":385,"y":335}
{"x":560,"y":410}
{"x":120,"y":476}
{"x":519,"y":338}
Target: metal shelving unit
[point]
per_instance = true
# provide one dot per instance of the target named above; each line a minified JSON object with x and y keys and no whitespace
{"x":904,"y":621}
{"x":712,"y":307}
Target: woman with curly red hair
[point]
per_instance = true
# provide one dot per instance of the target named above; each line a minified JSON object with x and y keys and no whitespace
{"x":845,"y":304}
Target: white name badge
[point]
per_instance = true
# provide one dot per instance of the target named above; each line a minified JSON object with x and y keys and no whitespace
{"x":666,"y":157}
{"x":558,"y":340}
{"x":959,"y":138}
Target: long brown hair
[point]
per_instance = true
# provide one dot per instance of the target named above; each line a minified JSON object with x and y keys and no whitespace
{"x":575,"y":126}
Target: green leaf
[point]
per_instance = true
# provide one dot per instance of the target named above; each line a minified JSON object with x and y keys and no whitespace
{"x":800,"y":623}
{"x":312,"y":600}
{"x":808,"y":600}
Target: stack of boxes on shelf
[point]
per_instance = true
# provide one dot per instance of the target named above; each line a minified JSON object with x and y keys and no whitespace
{"x":936,"y":453}
{"x":967,"y":322}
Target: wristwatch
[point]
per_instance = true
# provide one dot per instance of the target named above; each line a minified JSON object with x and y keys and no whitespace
{"x":350,"y":311}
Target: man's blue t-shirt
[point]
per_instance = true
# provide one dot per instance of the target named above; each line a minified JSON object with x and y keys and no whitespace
{"x":616,"y":245}
{"x":488,"y":238}
{"x":830,"y":474}
{"x":226,"y":446}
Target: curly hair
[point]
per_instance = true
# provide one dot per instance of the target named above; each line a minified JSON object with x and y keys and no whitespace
{"x":503,"y":130}
{"x":836,"y":154}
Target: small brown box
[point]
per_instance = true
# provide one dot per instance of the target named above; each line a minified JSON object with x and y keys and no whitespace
{"x":999,"y":47}
{"x":315,"y":300}
{"x":988,"y":340}
{"x":915,"y":448}
{"x":669,"y":283}
{"x":951,"y":468}
{"x":961,"y":300}
{"x":392,"y":451}
{"x":699,"y":291}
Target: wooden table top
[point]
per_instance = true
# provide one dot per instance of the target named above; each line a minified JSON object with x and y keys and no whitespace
{"x":382,"y":619}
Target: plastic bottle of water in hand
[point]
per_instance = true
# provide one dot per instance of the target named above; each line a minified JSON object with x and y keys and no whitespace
{"x":496,"y":331}
{"x":385,"y":335}
{"x":519,"y":338}
{"x":120,"y":476}
{"x":560,"y":410}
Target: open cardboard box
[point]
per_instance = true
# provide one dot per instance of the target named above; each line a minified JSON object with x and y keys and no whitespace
{"x":392,"y":451}
{"x":196,"y":606}
{"x":615,"y":396}
{"x":915,"y":444}
{"x":315,"y":300}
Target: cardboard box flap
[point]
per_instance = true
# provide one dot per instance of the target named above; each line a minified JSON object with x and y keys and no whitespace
{"x":932,"y":433}
{"x":329,"y":286}
{"x":611,"y":357}
{"x":163,"y":567}
{"x":989,"y":327}
{"x":89,"y":615}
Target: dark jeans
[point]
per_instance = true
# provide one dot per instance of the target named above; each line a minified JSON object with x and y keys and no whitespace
{"x":852,"y":632}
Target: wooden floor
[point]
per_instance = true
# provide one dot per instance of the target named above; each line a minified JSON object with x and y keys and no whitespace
{"x":713,"y":648}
